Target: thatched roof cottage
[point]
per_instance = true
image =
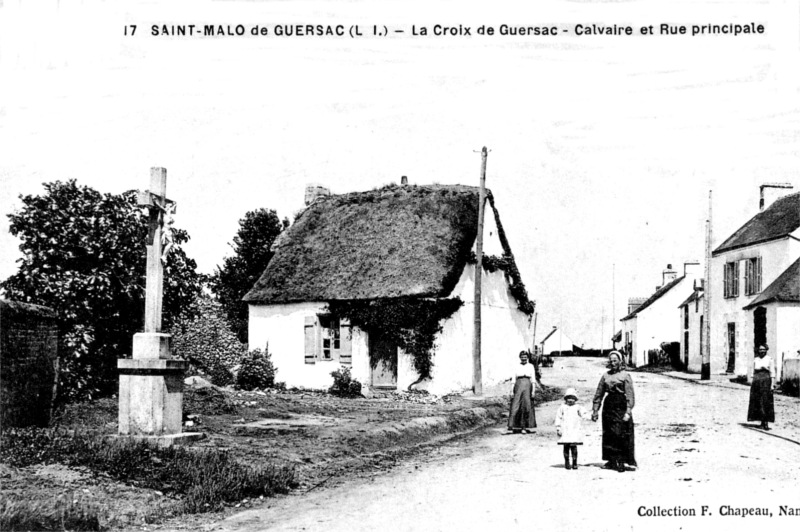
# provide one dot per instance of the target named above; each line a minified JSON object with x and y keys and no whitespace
{"x":382,"y":282}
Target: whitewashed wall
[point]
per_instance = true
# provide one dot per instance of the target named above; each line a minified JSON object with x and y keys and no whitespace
{"x":656,"y":323}
{"x":281,"y":327}
{"x":504,"y":333}
{"x":695,"y":339}
{"x":787,"y":327}
{"x":775,"y":256}
{"x":631,"y":328}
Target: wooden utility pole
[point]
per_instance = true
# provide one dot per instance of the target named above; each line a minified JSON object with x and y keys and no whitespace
{"x":477,"y":377}
{"x":535,"y":315}
{"x":705,"y":368}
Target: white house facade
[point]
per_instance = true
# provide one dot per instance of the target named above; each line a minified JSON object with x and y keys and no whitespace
{"x":289,"y":309}
{"x":741,"y":268}
{"x":692,"y":331}
{"x":653,"y":322}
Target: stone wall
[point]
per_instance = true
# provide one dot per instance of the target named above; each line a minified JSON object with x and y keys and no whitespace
{"x":28,"y":363}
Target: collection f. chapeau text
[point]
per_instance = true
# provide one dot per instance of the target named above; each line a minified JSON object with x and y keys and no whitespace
{"x":724,"y":510}
{"x":355,"y":31}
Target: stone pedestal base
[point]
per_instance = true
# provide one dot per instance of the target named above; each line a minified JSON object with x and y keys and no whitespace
{"x":151,"y":396}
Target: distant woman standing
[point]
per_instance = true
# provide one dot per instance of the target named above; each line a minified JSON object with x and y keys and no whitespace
{"x":615,"y":393}
{"x":521,"y":416}
{"x":762,"y":406}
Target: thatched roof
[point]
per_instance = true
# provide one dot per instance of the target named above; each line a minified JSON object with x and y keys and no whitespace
{"x":655,"y":297}
{"x":779,"y":220}
{"x":391,"y":242}
{"x":784,"y":289}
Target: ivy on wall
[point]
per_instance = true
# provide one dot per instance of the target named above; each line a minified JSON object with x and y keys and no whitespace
{"x":505,"y":263}
{"x":410,"y":323}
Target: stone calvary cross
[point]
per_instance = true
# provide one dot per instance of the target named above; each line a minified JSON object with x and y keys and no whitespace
{"x":156,"y":201}
{"x":151,"y":383}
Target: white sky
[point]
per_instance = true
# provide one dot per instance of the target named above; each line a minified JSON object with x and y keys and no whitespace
{"x":603,"y":148}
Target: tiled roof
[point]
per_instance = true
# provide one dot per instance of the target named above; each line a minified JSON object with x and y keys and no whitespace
{"x":777,"y":221}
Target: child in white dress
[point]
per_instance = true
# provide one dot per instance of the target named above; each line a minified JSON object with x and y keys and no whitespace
{"x":568,"y":426}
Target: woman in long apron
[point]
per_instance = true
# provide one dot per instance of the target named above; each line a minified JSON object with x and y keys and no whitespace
{"x":521,"y":417}
{"x":762,"y":403}
{"x":615,"y":393}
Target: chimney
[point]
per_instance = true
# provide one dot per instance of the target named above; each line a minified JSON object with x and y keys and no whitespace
{"x":668,"y":275}
{"x":635,"y":302}
{"x":404,"y":180}
{"x":314,"y":192}
{"x":691,"y":268}
{"x":761,"y":202}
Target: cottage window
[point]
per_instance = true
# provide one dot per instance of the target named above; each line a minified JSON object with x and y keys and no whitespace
{"x":686,"y":317}
{"x":327,"y":338}
{"x":752,"y":276}
{"x":731,"y":279}
{"x":330,"y":336}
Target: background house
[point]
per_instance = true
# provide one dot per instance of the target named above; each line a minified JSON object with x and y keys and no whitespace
{"x":691,"y":329}
{"x":748,"y":261}
{"x":653,"y":322}
{"x":389,"y":246}
{"x":556,"y":341}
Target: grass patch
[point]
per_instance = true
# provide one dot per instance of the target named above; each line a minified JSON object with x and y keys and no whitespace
{"x":19,"y":512}
{"x":204,"y":479}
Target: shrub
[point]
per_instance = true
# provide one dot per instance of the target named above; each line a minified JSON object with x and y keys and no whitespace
{"x":790,"y":387}
{"x":256,"y":371}
{"x":207,"y":342}
{"x":344,"y":385}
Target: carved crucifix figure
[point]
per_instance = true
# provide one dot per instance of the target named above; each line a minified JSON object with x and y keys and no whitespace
{"x":160,"y":207}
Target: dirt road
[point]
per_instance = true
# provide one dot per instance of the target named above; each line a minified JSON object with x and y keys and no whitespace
{"x":693,"y":451}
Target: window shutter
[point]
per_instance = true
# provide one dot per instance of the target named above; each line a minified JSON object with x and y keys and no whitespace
{"x":758,"y":275}
{"x":736,"y":279}
{"x":726,"y":280}
{"x":311,"y":345}
{"x":346,"y":339}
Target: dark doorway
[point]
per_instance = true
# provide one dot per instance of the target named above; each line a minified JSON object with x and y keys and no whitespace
{"x":759,"y":327}
{"x":731,"y":347}
{"x":383,"y":361}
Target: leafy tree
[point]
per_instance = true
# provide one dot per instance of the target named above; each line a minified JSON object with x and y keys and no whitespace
{"x":257,"y":231}
{"x":84,"y":255}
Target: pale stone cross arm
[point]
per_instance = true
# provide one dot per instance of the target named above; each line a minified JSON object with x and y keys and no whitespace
{"x":159,"y":241}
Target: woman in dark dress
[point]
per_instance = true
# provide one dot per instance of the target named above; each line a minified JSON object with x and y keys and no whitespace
{"x":762,"y":405}
{"x":615,"y":393}
{"x":521,"y":417}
